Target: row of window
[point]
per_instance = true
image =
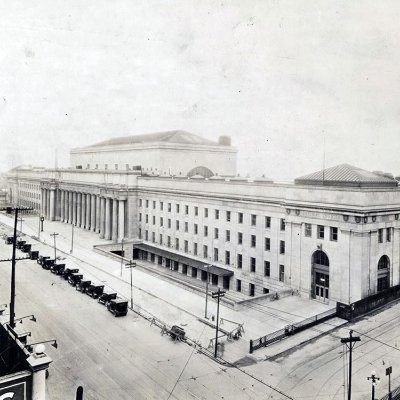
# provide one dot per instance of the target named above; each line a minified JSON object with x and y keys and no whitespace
{"x":381,"y":235}
{"x":333,"y":232}
{"x":206,"y":212}
{"x":29,"y":186}
{"x":251,"y":290}
{"x":30,"y":195}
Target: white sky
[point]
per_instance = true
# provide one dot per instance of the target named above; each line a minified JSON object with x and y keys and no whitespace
{"x":274,"y":75}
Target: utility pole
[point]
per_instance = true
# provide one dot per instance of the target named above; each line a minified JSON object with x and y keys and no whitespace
{"x":373,"y":378}
{"x":72,"y":239}
{"x":350,"y":343}
{"x":12,"y":300}
{"x":55,"y":248}
{"x":208,"y":278}
{"x":130,"y":265}
{"x":217,"y":295}
{"x":388,"y":373}
{"x":122,"y":254}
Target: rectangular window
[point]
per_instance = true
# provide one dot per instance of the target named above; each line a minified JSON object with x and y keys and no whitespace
{"x":253,"y":220}
{"x":253,"y":241}
{"x":177,"y":225}
{"x":206,"y":213}
{"x":388,"y":234}
{"x":140,"y":217}
{"x":140,"y":202}
{"x":161,"y":221}
{"x":238,"y":285}
{"x":240,"y":237}
{"x":186,"y":246}
{"x":147,"y":218}
{"x":240,"y":218}
{"x":205,"y":251}
{"x":205,"y":230}
{"x":153,"y":237}
{"x":252,"y":264}
{"x":195,"y":249}
{"x":283,"y":224}
{"x":227,"y":236}
{"x":267,"y":268}
{"x":177,"y":243}
{"x":216,"y":214}
{"x":251,"y":289}
{"x":161,"y":239}
{"x":282,"y":273}
{"x":227,"y":257}
{"x":169,"y":207}
{"x":186,"y":210}
{"x":282,"y":247}
{"x":154,"y":205}
{"x":196,"y":211}
{"x":320,"y":231}
{"x":215,"y":254}
{"x":265,"y":291}
{"x":380,"y":235}
{"x":267,"y":244}
{"x":228,"y":216}
{"x":116,"y":166}
{"x":161,"y":205}
{"x":186,"y":227}
{"x":196,"y":229}
{"x":140,"y":233}
{"x":154,"y":219}
{"x":147,"y":204}
{"x":307,"y":230}
{"x":239,"y":261}
{"x":169,"y":223}
{"x":333,"y":234}
{"x":216,"y":233}
{"x":146,"y":235}
{"x":268,"y":222}
{"x":177,"y":208}
{"x":169,"y":241}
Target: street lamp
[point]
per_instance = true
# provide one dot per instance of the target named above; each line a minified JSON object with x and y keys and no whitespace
{"x":374,"y":381}
{"x":41,"y":220}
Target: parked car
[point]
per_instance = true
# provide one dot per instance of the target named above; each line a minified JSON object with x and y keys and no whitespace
{"x":34,"y":255}
{"x":20,"y":243}
{"x":48,"y":263}
{"x":82,"y":285}
{"x":106,"y":297}
{"x":69,"y":271}
{"x":177,"y":333}
{"x":26,"y":248}
{"x":57,"y":268}
{"x":74,"y":279}
{"x":95,"y":290}
{"x":9,"y":240}
{"x":42,"y":259}
{"x":118,"y":307}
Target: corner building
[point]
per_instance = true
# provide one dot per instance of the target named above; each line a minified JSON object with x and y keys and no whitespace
{"x":332,"y":235}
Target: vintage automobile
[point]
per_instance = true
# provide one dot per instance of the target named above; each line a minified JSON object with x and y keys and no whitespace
{"x":68,"y":271}
{"x":74,"y":279}
{"x":83,"y":285}
{"x":20,"y":243}
{"x":57,"y":269}
{"x":33,"y":255}
{"x":118,"y":307}
{"x":177,"y":333}
{"x":26,"y":248}
{"x":42,"y":259}
{"x":95,"y":290}
{"x":9,"y":239}
{"x":106,"y":297}
{"x":48,"y":263}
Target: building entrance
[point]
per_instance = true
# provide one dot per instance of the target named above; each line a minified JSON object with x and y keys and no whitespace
{"x":320,"y":277}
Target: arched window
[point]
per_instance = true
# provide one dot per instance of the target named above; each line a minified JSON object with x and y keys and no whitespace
{"x":202,"y":171}
{"x":384,"y":262}
{"x":320,"y":258}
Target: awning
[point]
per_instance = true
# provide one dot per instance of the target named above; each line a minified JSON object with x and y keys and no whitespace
{"x":213,"y":269}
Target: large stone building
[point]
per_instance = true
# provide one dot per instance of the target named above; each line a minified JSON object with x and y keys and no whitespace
{"x":333,"y":235}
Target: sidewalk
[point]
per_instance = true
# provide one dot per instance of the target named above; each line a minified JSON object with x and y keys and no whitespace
{"x":170,"y":303}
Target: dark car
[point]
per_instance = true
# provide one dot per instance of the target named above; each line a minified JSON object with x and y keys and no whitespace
{"x":57,"y":268}
{"x":82,"y":285}
{"x":26,"y":248}
{"x":74,"y":279}
{"x":177,"y":333}
{"x":33,"y":255}
{"x":48,"y":263}
{"x":118,"y":307}
{"x":69,"y":271}
{"x":95,"y":290}
{"x":9,"y":240}
{"x":42,"y":259}
{"x":20,"y":243}
{"x":106,"y":297}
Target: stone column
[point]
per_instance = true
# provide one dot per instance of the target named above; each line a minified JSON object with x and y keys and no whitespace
{"x":83,"y":217}
{"x":93,"y":212}
{"x":98,"y":202}
{"x":62,"y":215}
{"x":108,"y":219}
{"x":52,"y":204}
{"x":88,"y":210}
{"x":102,"y":217}
{"x":79,"y":209}
{"x":48,"y":204}
{"x":74,"y":207}
{"x":121,"y":220}
{"x":114,"y":222}
{"x":43,"y":202}
{"x":70,"y":206}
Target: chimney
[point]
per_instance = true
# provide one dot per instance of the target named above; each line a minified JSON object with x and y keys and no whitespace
{"x":224,"y":140}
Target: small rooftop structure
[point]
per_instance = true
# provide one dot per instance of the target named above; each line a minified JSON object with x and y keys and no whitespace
{"x":346,"y":175}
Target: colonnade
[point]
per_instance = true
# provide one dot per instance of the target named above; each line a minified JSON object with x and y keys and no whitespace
{"x":100,"y":214}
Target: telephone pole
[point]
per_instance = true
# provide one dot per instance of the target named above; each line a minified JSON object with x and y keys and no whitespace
{"x":373,"y":378}
{"x":130,"y":265}
{"x":217,"y":295}
{"x":350,"y":343}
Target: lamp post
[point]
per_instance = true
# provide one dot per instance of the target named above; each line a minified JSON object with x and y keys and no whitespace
{"x":122,"y":254}
{"x":41,"y":220}
{"x":130,"y":265}
{"x":374,"y":379}
{"x":72,"y":239}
